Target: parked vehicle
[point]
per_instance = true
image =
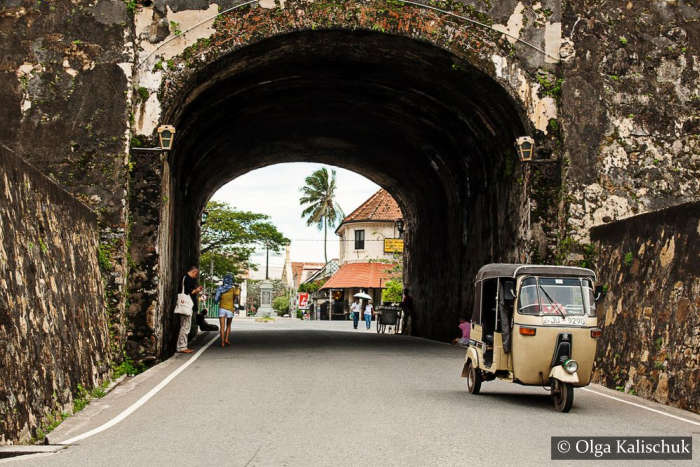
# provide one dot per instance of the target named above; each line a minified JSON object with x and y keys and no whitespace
{"x":388,"y":316}
{"x":533,"y":325}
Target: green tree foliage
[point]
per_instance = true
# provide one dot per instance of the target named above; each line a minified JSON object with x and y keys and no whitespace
{"x":393,"y":293}
{"x":318,"y":201}
{"x":281,"y":304}
{"x":229,"y":237}
{"x":235,"y":264}
{"x":269,"y":237}
{"x":311,"y":287}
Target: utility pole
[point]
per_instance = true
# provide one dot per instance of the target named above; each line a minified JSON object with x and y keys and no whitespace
{"x":267,"y":262}
{"x":211,"y":278}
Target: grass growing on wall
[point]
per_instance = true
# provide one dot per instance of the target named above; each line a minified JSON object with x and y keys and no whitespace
{"x":83,"y":397}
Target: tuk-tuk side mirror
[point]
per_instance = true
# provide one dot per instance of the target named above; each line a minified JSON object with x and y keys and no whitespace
{"x":600,"y":292}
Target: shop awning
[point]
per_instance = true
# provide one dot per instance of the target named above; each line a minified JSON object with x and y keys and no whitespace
{"x":359,"y":275}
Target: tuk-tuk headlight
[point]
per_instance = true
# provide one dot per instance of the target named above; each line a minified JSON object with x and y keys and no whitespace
{"x":571,"y":366}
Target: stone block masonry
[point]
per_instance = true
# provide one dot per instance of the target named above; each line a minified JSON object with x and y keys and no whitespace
{"x":651,"y":324}
{"x":54,"y":330}
{"x":65,"y":94}
{"x":629,"y":109}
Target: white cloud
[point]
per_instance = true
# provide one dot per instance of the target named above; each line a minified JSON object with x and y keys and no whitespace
{"x":274,"y":190}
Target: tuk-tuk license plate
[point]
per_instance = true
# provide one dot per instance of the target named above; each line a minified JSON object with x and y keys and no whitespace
{"x":559,"y":321}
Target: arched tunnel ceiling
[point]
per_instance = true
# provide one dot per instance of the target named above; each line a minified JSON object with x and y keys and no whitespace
{"x":430,"y":128}
{"x":403,"y":112}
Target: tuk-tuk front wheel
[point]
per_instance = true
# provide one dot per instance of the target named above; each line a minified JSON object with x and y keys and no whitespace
{"x":473,"y":378}
{"x":562,"y":395}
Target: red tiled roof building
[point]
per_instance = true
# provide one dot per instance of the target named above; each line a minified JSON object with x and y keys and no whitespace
{"x":364,"y":265}
{"x":380,"y":207}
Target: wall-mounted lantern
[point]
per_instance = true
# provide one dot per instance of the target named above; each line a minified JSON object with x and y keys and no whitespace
{"x":205,"y":214}
{"x":166,"y":137}
{"x":525,"y":146}
{"x":400,"y":227}
{"x":166,"y":134}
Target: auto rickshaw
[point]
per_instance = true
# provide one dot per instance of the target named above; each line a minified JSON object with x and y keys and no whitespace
{"x":533,"y":325}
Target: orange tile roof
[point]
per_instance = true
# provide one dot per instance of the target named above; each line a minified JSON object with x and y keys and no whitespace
{"x":298,"y":269}
{"x":379,"y":207}
{"x":362,"y":275}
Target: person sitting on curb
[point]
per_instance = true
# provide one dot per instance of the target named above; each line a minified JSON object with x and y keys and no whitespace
{"x":465,"y":328}
{"x":203,"y":325}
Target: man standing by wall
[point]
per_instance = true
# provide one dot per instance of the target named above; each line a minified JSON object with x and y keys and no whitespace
{"x":192,"y":289}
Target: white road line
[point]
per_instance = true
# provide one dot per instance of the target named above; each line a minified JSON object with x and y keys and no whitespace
{"x":643,"y":407}
{"x":132,"y":408}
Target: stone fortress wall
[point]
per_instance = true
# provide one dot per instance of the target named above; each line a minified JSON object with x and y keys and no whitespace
{"x":53,"y":323}
{"x":629,"y":110}
{"x":651,"y":325}
{"x":619,"y":112}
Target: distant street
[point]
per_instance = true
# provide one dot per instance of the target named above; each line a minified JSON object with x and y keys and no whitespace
{"x":318,"y":393}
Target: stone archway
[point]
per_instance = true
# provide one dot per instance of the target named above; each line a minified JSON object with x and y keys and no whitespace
{"x":429,"y":112}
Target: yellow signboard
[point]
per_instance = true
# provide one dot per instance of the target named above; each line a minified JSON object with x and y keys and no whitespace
{"x":393,"y":245}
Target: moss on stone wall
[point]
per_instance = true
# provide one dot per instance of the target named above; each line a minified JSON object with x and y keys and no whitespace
{"x":628,"y":112}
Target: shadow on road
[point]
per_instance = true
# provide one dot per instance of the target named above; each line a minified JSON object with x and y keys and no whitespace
{"x":521,"y":399}
{"x":273,"y":341}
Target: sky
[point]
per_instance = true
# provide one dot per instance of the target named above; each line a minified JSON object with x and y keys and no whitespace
{"x":274,"y":190}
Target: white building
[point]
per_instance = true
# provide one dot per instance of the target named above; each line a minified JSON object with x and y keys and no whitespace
{"x":362,"y":232}
{"x":365,"y":262}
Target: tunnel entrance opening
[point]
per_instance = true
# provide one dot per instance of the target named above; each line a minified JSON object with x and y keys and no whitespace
{"x":426,"y":125}
{"x":256,"y":229}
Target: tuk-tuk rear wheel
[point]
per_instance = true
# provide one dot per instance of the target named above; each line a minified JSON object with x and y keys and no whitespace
{"x":473,"y":378}
{"x":562,"y":396}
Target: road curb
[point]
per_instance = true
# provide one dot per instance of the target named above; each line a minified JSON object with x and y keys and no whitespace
{"x":50,"y":438}
{"x":123,"y":387}
{"x":663,"y":409}
{"x":15,"y":452}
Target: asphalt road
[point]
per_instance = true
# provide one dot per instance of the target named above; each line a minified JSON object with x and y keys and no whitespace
{"x":303,"y":393}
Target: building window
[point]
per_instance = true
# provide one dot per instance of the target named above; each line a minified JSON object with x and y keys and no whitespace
{"x":359,"y":239}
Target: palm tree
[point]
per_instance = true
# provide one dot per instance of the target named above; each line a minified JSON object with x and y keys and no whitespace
{"x":321,"y":208}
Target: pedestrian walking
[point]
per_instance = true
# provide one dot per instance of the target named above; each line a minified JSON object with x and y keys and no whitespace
{"x":191,"y":289}
{"x":369,"y":309}
{"x":355,"y":310}
{"x":407,"y":311}
{"x":225,"y":295}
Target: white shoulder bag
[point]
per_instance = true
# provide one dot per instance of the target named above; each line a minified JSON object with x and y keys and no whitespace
{"x":184,"y":302}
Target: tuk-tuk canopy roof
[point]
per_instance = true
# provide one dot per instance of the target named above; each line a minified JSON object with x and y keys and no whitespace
{"x":493,"y":270}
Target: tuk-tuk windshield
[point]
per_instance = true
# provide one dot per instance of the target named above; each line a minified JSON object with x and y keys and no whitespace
{"x":556,"y":296}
